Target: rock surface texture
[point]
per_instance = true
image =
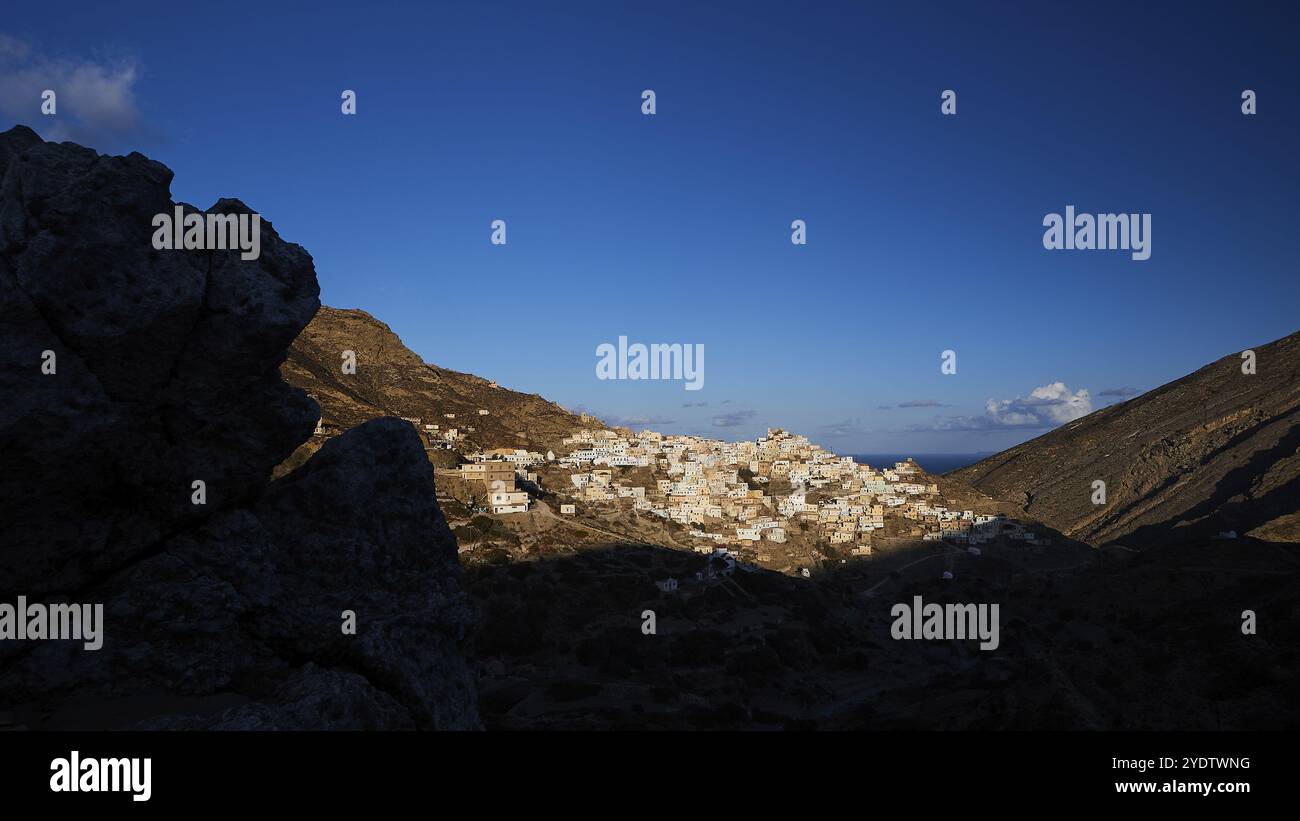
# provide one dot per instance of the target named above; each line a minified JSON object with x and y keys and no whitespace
{"x":166,"y":363}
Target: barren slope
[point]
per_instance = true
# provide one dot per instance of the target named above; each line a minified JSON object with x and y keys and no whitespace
{"x":1213,"y":451}
{"x":391,"y":380}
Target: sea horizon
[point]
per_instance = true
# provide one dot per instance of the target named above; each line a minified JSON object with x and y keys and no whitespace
{"x":936,"y":463}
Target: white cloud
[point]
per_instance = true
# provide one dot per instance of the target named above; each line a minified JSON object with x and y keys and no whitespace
{"x":96,"y":100}
{"x":1046,"y":407}
{"x":12,"y":48}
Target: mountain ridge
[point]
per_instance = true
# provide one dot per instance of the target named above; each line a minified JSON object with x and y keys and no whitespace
{"x":1214,"y":451}
{"x":392,"y":380}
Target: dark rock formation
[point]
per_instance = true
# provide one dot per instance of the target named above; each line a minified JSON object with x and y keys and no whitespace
{"x":225,"y":614}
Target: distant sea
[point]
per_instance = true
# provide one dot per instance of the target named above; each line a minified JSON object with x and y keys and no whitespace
{"x":932,"y":462}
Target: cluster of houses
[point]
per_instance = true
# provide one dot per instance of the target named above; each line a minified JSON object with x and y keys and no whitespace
{"x":495,"y":480}
{"x":734,"y":495}
{"x":982,"y":529}
{"x":724,"y":490}
{"x":748,"y":493}
{"x":447,"y":434}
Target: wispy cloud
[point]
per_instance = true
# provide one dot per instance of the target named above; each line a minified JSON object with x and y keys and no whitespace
{"x":1045,"y":407}
{"x":1123,"y":392}
{"x":731,"y":420}
{"x":922,"y":403}
{"x":96,"y":104}
{"x":695,"y":404}
{"x":848,"y":427}
{"x":635,"y":421}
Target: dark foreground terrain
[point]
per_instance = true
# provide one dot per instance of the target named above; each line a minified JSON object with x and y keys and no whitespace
{"x":1110,"y":639}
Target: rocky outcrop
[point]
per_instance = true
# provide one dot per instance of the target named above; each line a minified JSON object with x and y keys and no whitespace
{"x":1215,"y":451}
{"x":392,"y":380}
{"x":130,"y":374}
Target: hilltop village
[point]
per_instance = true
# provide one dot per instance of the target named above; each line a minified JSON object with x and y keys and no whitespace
{"x":780,"y":501}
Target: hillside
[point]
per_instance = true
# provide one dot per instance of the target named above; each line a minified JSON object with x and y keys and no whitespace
{"x":391,"y":380}
{"x":1214,"y":451}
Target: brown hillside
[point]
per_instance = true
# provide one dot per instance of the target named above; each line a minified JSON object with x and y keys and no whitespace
{"x":1214,"y":451}
{"x":391,"y":380}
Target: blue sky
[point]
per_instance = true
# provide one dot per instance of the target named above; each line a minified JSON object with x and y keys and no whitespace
{"x":924,"y":231}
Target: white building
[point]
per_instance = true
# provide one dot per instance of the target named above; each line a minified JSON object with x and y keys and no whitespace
{"x":509,"y":501}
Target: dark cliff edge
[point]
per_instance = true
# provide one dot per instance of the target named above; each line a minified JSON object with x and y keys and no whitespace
{"x":166,"y":366}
